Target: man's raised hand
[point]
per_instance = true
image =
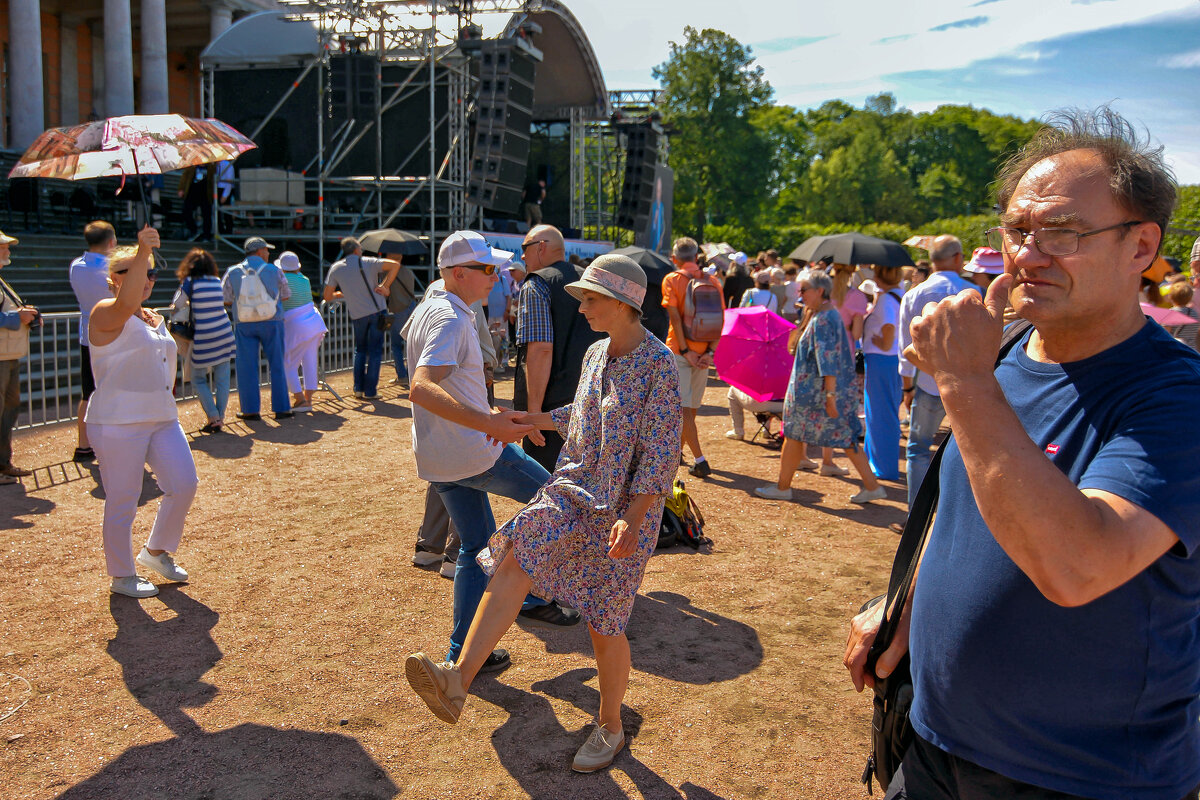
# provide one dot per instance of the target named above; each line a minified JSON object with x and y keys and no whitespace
{"x":959,"y":337}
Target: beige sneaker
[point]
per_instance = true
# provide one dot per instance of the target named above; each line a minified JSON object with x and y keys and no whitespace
{"x":439,"y":685}
{"x":599,"y":750}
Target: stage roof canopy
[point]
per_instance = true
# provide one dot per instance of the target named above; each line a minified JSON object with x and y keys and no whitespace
{"x":569,"y":75}
{"x":263,"y":39}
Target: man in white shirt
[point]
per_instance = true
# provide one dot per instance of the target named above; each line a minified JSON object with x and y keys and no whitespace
{"x":89,"y":281}
{"x":462,"y":446}
{"x":927,"y":410}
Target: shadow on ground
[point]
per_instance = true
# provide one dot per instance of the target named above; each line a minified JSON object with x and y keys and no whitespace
{"x":15,"y":502}
{"x":536,"y":750}
{"x":671,"y":638}
{"x":162,"y":663}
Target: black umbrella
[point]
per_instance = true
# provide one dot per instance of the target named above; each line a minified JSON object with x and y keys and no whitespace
{"x":656,"y":267}
{"x":390,"y":240}
{"x":853,"y":248}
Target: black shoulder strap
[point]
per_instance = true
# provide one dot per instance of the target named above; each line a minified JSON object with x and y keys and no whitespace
{"x":363,"y":274}
{"x":920,"y":519}
{"x":12,"y":294}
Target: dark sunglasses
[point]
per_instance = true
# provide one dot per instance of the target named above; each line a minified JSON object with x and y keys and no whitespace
{"x":151,"y":274}
{"x":526,"y":245}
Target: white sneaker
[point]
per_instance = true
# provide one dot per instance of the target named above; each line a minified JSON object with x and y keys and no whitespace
{"x":834,"y":470}
{"x":734,"y":435}
{"x":599,"y":750}
{"x":773,"y":492}
{"x":137,"y":586}
{"x":425,"y":558}
{"x":878,"y":493}
{"x":447,"y":570}
{"x":164,"y":565}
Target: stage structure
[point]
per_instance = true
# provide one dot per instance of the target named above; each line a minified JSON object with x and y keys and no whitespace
{"x":399,"y":114}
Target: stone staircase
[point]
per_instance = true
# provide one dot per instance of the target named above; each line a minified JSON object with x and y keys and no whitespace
{"x":39,"y":269}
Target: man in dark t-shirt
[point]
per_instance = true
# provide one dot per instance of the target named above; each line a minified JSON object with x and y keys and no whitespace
{"x":1054,"y":627}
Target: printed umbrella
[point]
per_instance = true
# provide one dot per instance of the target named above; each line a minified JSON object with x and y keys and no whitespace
{"x":853,"y":248}
{"x":752,"y":353}
{"x":133,"y":145}
{"x":1166,"y":316}
{"x":393,"y":241}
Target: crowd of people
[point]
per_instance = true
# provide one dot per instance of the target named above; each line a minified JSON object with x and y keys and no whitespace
{"x":1053,"y":633}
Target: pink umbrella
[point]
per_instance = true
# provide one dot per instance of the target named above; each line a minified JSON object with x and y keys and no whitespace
{"x":1165,"y":316}
{"x":752,"y":353}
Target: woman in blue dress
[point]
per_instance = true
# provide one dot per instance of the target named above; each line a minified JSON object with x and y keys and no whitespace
{"x":821,"y":407}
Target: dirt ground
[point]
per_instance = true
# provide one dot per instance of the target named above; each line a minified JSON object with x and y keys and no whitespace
{"x":278,"y":671}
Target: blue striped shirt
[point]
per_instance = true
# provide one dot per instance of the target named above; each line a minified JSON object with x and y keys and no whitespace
{"x":214,"y":333}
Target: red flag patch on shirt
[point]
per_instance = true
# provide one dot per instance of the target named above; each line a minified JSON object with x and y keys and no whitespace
{"x":1051,"y":449}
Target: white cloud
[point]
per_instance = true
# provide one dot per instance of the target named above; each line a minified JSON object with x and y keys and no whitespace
{"x":1182,"y":60}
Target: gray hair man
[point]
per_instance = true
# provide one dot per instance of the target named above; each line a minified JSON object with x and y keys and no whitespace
{"x":926,"y":411}
{"x":364,"y":283}
{"x":1053,"y":628}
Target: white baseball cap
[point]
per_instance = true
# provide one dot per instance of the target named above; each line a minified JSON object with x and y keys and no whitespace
{"x":469,"y":247}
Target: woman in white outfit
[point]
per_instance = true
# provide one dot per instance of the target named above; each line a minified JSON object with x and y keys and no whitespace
{"x":303,"y":331}
{"x":132,"y":421}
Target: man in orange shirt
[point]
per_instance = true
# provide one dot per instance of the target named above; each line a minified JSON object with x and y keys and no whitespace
{"x":692,"y":359}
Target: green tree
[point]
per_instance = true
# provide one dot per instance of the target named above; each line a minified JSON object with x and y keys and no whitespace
{"x":711,"y":89}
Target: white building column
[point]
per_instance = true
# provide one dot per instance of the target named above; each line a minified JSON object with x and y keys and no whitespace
{"x":222,"y":18}
{"x":118,"y":58}
{"x":155,"y":94}
{"x":98,"y":82}
{"x":26,"y":106}
{"x":68,"y":83}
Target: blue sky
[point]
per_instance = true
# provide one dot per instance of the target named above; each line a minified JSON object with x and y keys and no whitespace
{"x":1023,"y":57}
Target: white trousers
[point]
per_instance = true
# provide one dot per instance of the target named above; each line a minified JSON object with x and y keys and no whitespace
{"x":123,"y":451}
{"x":740,"y":402}
{"x":308,"y":360}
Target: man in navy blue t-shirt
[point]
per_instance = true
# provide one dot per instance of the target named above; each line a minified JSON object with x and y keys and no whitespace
{"x":1055,"y":624}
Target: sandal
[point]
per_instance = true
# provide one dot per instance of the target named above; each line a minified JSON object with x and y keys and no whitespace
{"x":210,"y":428}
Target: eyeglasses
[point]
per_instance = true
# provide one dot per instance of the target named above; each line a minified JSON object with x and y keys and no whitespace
{"x":1049,"y":241}
{"x":526,"y":245}
{"x":486,"y":269}
{"x":151,"y":274}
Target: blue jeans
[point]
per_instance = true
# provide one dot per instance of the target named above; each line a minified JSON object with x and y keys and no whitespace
{"x":398,"y":342}
{"x":368,"y":354}
{"x":250,"y":337}
{"x":923,"y":422}
{"x":514,"y":475}
{"x":214,"y":407}
{"x":883,"y":421}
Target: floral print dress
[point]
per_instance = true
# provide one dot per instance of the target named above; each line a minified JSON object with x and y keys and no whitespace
{"x":622,"y":438}
{"x":824,"y":349}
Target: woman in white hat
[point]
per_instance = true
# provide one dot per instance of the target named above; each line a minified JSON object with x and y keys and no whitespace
{"x":588,"y":533}
{"x":303,"y":332}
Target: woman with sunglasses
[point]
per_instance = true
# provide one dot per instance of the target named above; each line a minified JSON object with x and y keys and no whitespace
{"x":132,"y":421}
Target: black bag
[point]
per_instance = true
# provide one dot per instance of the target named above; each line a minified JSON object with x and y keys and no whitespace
{"x":185,"y":329}
{"x":669,"y":530}
{"x":891,"y":731}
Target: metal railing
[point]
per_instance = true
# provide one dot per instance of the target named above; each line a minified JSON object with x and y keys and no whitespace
{"x":50,"y":380}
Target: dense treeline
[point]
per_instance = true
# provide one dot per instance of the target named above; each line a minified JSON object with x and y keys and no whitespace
{"x":757,"y":174}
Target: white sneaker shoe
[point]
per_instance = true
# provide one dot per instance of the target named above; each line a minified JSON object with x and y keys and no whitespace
{"x":834,"y":470}
{"x":878,"y":493}
{"x":734,"y":435}
{"x":164,"y":565}
{"x":137,"y":586}
{"x":773,"y":492}
{"x":448,"y":568}
{"x":599,"y":750}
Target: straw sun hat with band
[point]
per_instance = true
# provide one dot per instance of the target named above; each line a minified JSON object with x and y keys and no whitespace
{"x":615,"y":276}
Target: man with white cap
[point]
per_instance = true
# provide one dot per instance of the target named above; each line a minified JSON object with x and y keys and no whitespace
{"x":16,"y":319}
{"x":265,"y":335}
{"x":462,"y":446}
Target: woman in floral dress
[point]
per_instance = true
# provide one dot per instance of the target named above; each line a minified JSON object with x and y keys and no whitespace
{"x":588,"y":533}
{"x":821,"y":406}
